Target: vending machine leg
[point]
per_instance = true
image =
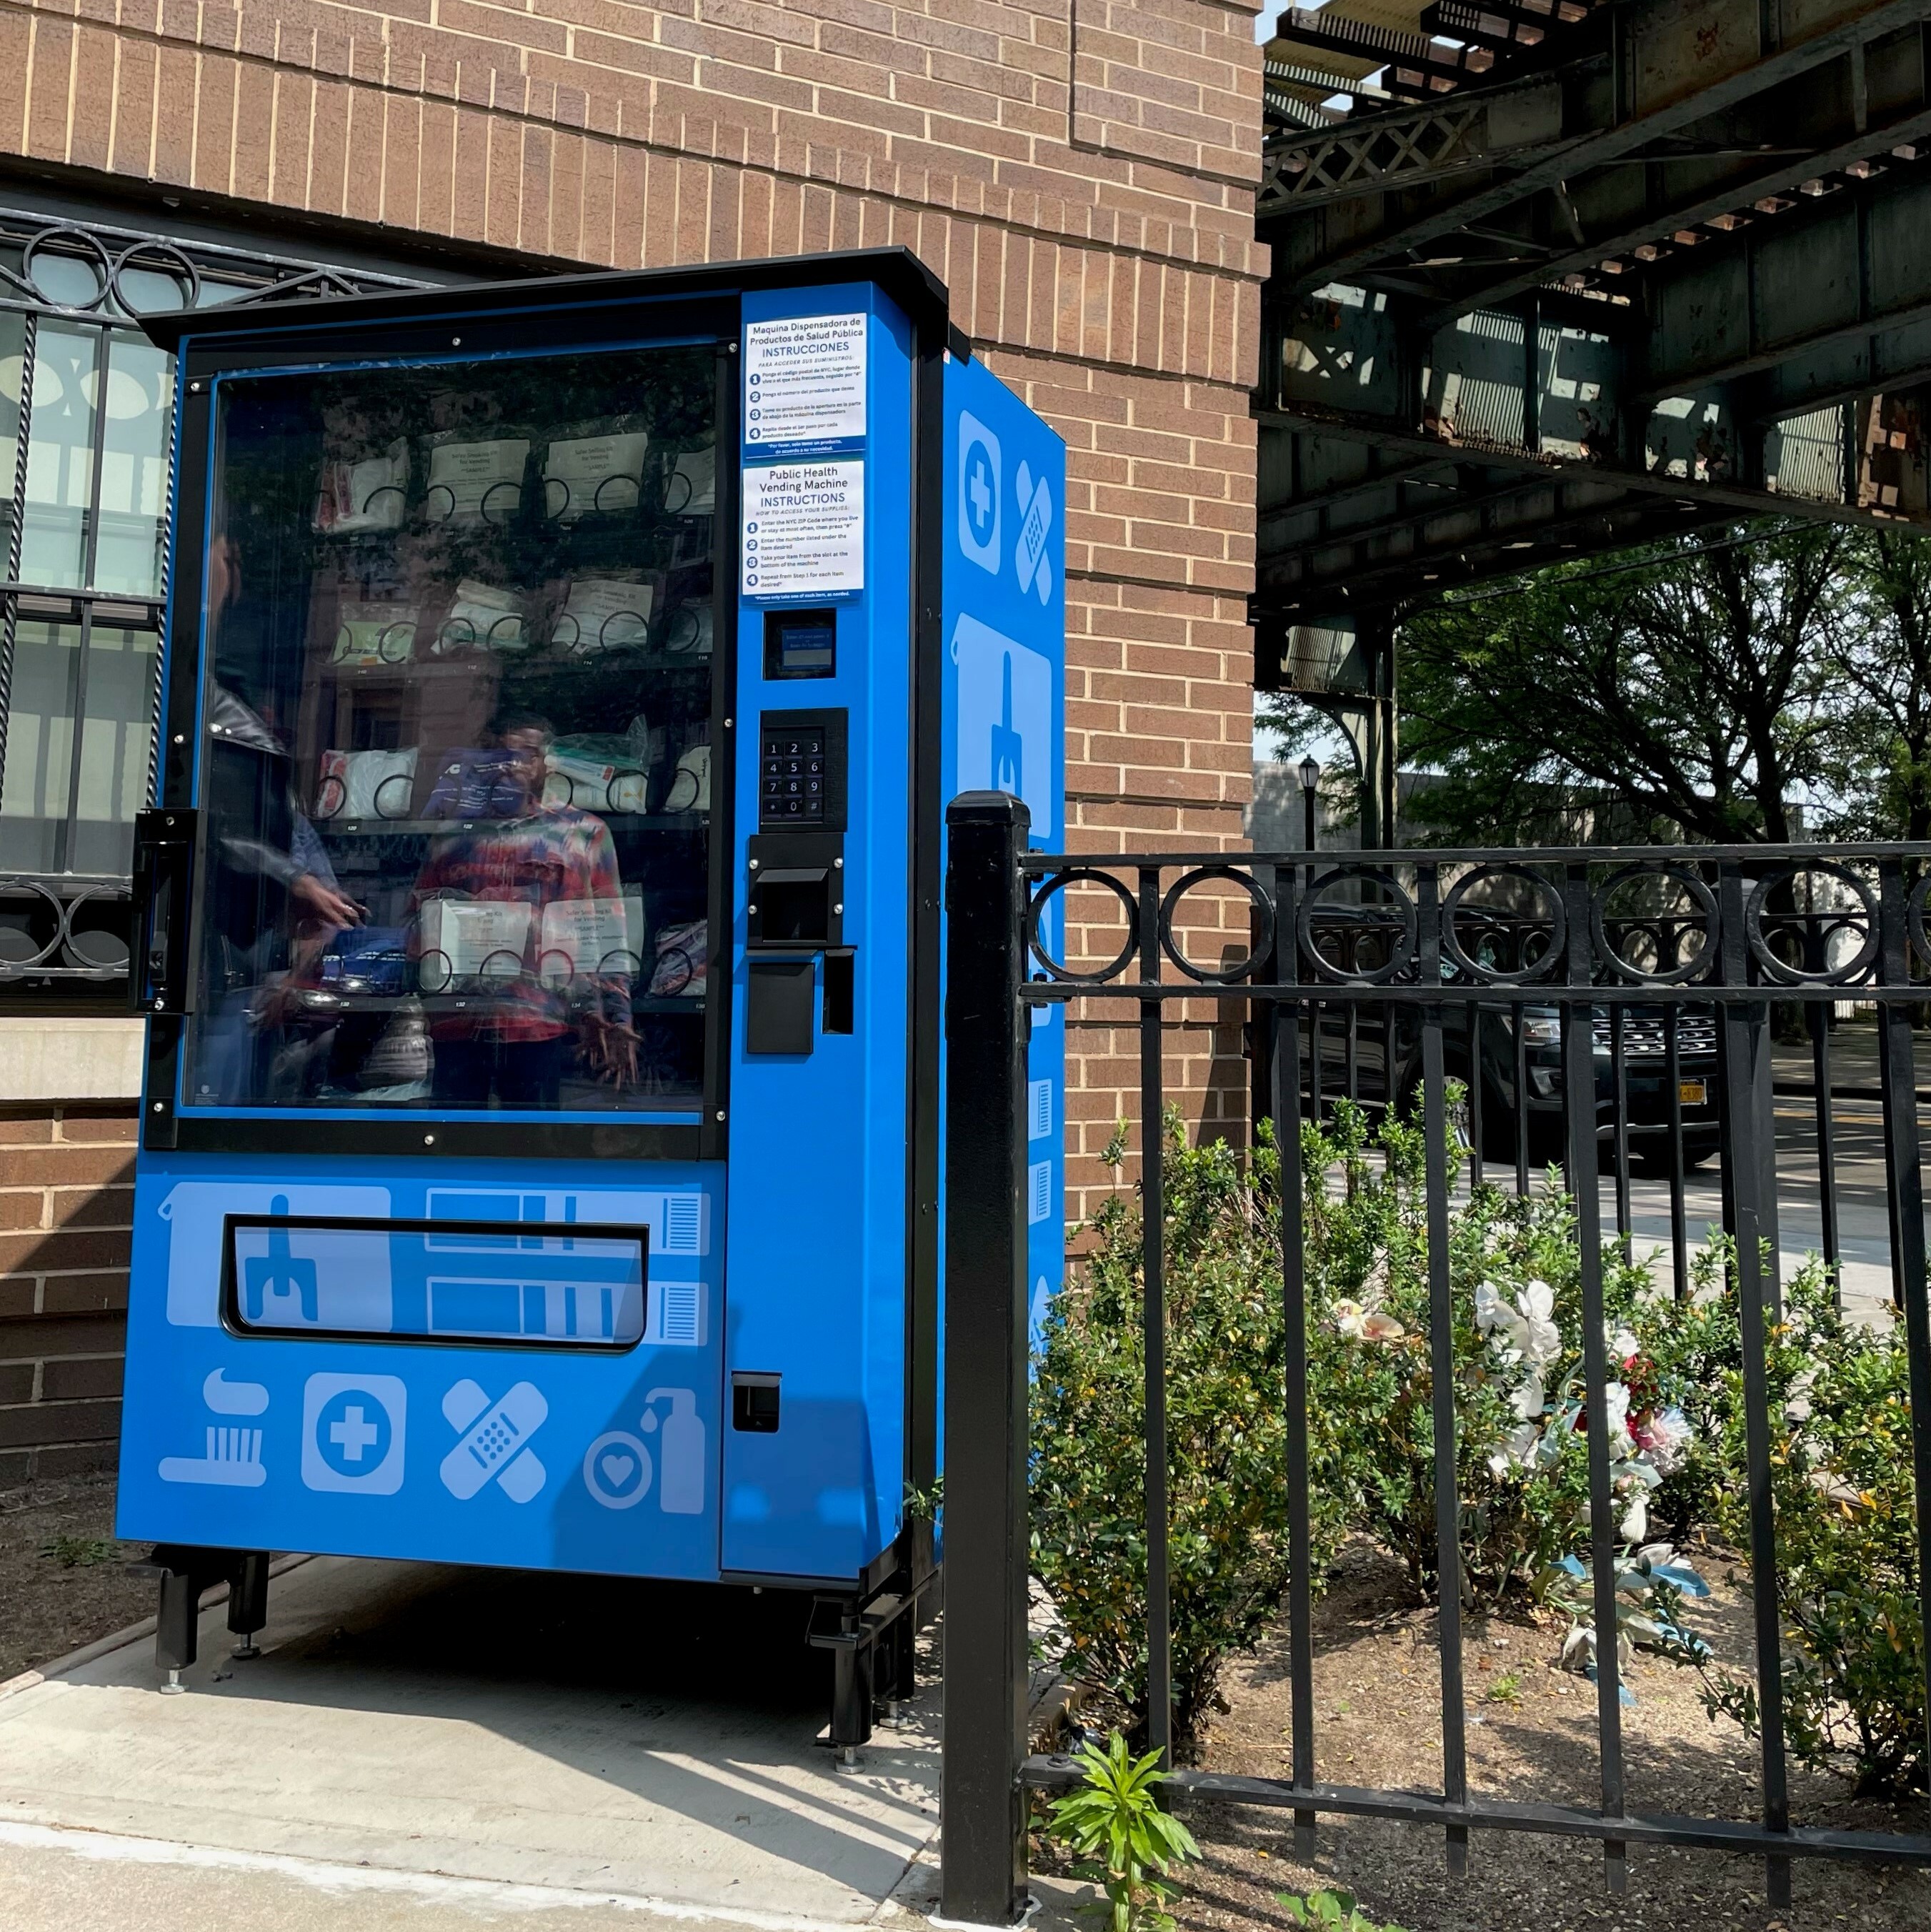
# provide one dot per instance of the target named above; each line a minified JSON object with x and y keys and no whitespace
{"x":248,"y":1600}
{"x":185,"y":1572}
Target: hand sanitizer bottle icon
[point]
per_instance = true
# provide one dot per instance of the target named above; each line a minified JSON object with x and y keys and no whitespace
{"x":680,"y":1453}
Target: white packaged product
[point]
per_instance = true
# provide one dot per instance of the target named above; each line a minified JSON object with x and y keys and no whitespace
{"x":592,"y":787}
{"x":370,"y":494}
{"x":375,"y":634}
{"x":690,"y":783}
{"x":472,"y":939}
{"x":584,"y":937}
{"x":593,"y":475}
{"x":604,"y":613}
{"x":481,"y":615}
{"x":692,"y":490}
{"x":366,"y":784}
{"x":476,"y":482}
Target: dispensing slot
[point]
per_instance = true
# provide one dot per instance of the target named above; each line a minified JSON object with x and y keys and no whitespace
{"x":778,"y":1014}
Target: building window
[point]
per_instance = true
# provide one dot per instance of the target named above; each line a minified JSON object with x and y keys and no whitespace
{"x":86,"y":423}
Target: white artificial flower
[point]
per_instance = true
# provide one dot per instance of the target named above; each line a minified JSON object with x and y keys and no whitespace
{"x":1636,"y":1518}
{"x":1525,"y":1328}
{"x":1623,"y":1346}
{"x":1377,"y":1327}
{"x":1530,"y":1399}
{"x":1350,"y":1318}
{"x":1617,"y":1407}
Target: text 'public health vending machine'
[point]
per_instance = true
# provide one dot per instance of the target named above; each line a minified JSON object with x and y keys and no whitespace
{"x":541,"y":1159}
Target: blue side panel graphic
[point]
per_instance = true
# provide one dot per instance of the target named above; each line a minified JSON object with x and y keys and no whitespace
{"x":817,"y":1235}
{"x":1004,"y":626}
{"x":537,"y":1456}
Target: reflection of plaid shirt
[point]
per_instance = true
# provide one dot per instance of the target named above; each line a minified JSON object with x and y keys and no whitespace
{"x":559,"y":854}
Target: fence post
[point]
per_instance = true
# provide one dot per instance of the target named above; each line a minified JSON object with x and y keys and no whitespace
{"x":982,"y":1816}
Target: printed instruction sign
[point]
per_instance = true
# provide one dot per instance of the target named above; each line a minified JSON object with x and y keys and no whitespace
{"x":804,"y":528}
{"x":804,"y":381}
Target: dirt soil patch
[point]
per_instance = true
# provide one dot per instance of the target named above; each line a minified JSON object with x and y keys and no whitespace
{"x":63,"y":1579}
{"x":1532,"y":1737}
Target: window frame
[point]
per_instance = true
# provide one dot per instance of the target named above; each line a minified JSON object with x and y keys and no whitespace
{"x":62,"y":901}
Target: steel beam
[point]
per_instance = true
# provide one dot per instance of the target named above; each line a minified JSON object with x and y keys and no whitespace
{"x":1733,"y":198}
{"x":1378,"y":433}
{"x":1590,"y":150}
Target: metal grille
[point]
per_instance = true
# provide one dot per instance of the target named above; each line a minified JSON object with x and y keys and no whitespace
{"x":1383,"y":976}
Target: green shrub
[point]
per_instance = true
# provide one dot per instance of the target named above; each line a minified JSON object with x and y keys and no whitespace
{"x":1113,"y":1820}
{"x":1227,"y":1512}
{"x":1853,"y":1667}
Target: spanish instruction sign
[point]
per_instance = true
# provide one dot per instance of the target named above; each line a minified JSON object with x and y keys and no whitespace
{"x":804,"y":381}
{"x":804,"y":528}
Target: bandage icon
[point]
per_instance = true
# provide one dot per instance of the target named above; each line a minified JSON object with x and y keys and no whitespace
{"x":494,"y":1442}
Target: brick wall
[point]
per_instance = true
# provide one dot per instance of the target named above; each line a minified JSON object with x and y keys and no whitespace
{"x":1080,"y":173}
{"x":66,"y":1207}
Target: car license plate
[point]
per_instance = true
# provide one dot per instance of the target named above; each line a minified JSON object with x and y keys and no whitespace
{"x":1691,"y":1092}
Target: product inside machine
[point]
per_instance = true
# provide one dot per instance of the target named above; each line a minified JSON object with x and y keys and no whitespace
{"x":458,"y":718}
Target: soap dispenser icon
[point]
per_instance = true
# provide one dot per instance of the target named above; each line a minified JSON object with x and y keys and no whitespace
{"x":680,"y":1451}
{"x":1008,"y":747}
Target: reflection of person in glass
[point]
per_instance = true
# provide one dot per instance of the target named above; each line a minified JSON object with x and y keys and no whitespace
{"x":506,"y":1031}
{"x":274,"y":900}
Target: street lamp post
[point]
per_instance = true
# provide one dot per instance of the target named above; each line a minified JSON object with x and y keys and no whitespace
{"x":1310,"y":781}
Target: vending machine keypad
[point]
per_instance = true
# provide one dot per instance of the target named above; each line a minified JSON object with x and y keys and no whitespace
{"x":801,"y":771}
{"x":793,"y":770}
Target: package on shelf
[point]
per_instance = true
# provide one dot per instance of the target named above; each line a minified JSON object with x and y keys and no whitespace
{"x":582,"y":937}
{"x":375,"y":634}
{"x":682,"y":961}
{"x":472,"y":482}
{"x":692,"y":490}
{"x":604,"y":613}
{"x":472,"y":939}
{"x":477,"y":781}
{"x":366,"y":784}
{"x":573,"y":779}
{"x":369,"y":493}
{"x":593,"y":476}
{"x":690,"y":788}
{"x":481,"y":615}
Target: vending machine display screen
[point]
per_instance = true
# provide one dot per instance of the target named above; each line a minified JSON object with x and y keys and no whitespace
{"x":457,"y":725}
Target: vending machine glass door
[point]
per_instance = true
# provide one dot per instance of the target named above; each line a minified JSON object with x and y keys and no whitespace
{"x":456,"y":726}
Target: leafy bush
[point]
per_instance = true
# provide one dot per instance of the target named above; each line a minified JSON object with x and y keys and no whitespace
{"x":1228,"y":1507}
{"x":1329,"y":1911}
{"x":1849,"y":1588}
{"x":1522,"y":1467}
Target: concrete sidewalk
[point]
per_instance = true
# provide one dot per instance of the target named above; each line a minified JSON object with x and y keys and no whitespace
{"x":423,"y":1747}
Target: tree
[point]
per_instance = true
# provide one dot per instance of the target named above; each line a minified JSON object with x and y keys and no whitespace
{"x":1879,"y":642}
{"x":1695,"y":691}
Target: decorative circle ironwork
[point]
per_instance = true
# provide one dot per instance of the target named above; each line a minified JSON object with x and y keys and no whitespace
{"x":1914,"y":917}
{"x":1242,"y":968}
{"x":1684,"y":970}
{"x":58,"y":242}
{"x":33,"y":888}
{"x":1785,"y":975}
{"x":1082,"y":875}
{"x":159,"y":258}
{"x":1400,"y":958}
{"x":1493,"y":976}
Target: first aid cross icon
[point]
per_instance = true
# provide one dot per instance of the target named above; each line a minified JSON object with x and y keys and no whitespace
{"x":979,"y":492}
{"x":354,"y":1434}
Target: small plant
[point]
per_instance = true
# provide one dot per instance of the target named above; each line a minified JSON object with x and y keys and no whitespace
{"x":1116,"y":1815}
{"x":82,"y":1552}
{"x":1506,"y":1689}
{"x":1332,"y":1909}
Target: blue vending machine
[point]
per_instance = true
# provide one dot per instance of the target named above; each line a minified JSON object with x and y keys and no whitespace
{"x":540,"y":929}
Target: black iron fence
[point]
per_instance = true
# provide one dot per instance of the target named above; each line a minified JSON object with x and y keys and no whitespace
{"x":1616,"y":1009}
